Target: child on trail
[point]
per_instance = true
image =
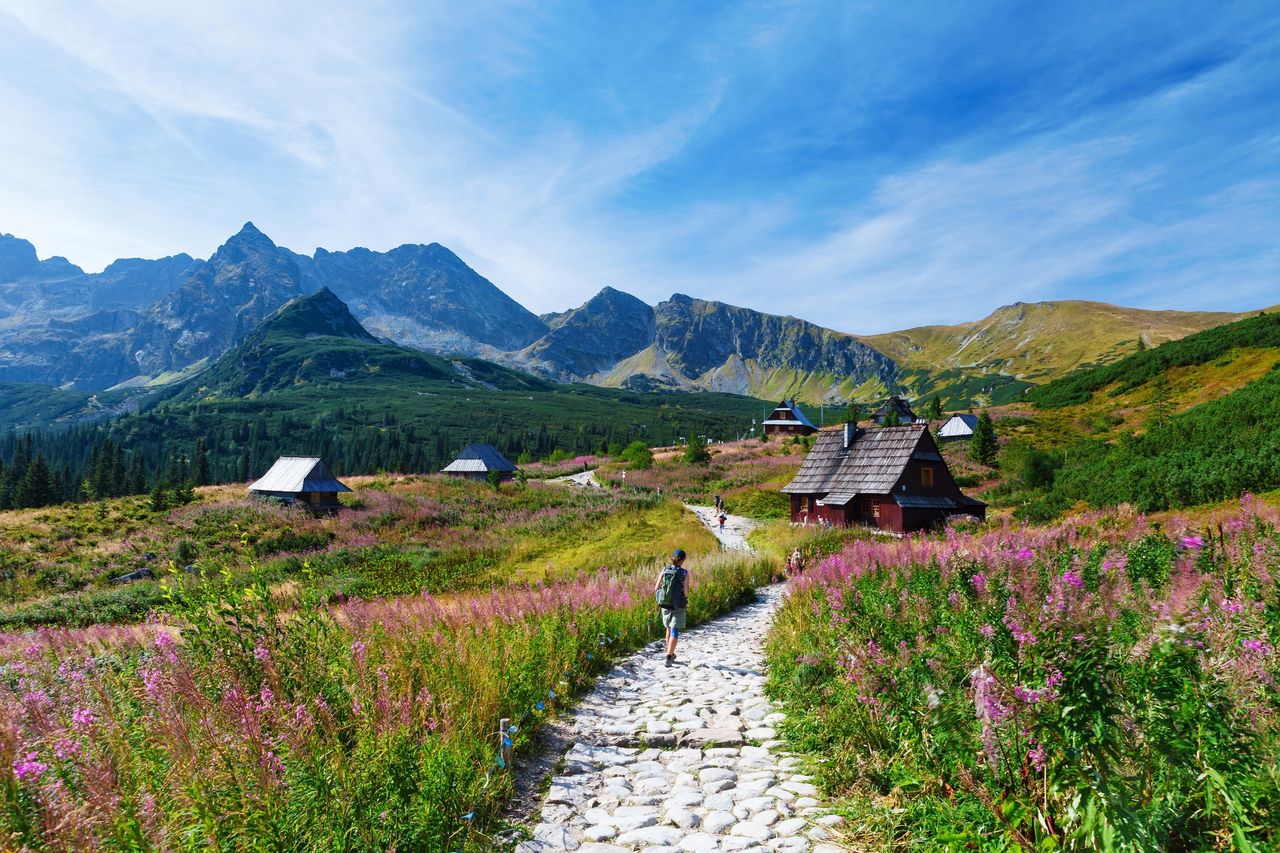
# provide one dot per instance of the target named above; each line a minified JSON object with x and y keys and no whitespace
{"x":671,"y":591}
{"x":723,"y":519}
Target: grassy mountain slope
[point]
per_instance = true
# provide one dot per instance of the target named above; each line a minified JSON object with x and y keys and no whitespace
{"x":1191,"y":421}
{"x":1030,"y":343}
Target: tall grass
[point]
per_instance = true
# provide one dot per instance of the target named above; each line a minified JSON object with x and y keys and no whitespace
{"x":260,"y":724}
{"x":1098,"y":684}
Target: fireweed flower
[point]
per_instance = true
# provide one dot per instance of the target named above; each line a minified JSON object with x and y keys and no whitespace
{"x":31,"y":766}
{"x":82,"y":717}
{"x":1193,"y":543}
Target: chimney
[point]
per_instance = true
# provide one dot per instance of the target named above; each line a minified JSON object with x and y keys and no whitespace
{"x":849,"y":431}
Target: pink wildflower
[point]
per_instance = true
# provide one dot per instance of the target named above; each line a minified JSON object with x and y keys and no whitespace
{"x":25,"y":768}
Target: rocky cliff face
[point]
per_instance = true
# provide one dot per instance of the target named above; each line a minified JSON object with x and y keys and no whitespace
{"x":424,"y":297}
{"x":609,"y":327}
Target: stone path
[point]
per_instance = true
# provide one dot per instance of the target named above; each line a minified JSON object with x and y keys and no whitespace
{"x":736,"y":527}
{"x":584,"y":479}
{"x":685,"y":759}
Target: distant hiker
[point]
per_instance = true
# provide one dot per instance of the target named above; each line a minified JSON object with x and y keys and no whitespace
{"x":671,"y":592}
{"x":723,"y":519}
{"x":795,"y":563}
{"x":718,"y":504}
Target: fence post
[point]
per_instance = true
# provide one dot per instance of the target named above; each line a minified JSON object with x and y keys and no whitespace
{"x":503,"y":725}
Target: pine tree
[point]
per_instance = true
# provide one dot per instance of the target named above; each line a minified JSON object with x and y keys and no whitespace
{"x":935,"y":407}
{"x":201,"y":464}
{"x":890,"y":415}
{"x":854,"y":413}
{"x":36,"y":488}
{"x":696,"y":453}
{"x":982,"y":446}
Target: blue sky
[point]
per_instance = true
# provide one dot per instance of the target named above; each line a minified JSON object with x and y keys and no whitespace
{"x":867,"y":166}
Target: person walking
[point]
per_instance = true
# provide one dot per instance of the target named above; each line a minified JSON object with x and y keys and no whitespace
{"x":672,"y":593}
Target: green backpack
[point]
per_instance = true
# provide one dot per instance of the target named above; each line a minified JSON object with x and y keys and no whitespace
{"x":670,"y":592}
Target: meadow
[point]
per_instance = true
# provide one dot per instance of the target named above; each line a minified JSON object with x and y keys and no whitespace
{"x":396,"y":535}
{"x":1106,"y":682}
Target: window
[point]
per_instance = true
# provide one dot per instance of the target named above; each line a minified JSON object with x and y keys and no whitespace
{"x":804,"y":503}
{"x":926,"y":475}
{"x":866,"y":506}
{"x":875,"y":507}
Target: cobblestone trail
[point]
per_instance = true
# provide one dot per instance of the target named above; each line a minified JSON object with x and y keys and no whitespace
{"x":685,"y":759}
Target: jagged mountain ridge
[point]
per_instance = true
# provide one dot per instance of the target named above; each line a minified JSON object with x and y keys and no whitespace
{"x":315,"y":340}
{"x":146,"y":322}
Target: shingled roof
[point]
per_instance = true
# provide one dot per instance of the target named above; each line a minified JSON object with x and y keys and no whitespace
{"x":479,"y":458}
{"x":872,"y":463}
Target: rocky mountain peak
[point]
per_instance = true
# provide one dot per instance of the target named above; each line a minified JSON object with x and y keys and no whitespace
{"x":17,"y":257}
{"x":321,"y":314}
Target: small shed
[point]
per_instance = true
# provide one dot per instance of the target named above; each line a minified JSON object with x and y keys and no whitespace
{"x":899,"y":405}
{"x":300,"y":479}
{"x":477,"y":460}
{"x":958,"y":427}
{"x":787,"y":419}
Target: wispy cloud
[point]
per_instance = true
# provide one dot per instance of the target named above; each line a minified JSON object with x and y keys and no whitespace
{"x":864,"y":167}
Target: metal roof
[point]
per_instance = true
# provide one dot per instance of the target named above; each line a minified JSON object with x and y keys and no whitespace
{"x":298,"y":474}
{"x":476,"y":458}
{"x":872,"y":463}
{"x":958,"y":425}
{"x":797,"y":416}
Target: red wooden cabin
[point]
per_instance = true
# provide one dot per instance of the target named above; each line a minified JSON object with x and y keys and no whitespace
{"x":892,"y":478}
{"x":787,"y":419}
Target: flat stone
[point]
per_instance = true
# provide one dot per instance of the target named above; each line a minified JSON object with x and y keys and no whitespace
{"x":651,"y":835}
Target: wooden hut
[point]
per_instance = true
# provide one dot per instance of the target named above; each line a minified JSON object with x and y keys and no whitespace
{"x":899,"y":405}
{"x":477,"y":460}
{"x":304,"y":480}
{"x":958,"y":427}
{"x":787,"y":419}
{"x":892,"y":478}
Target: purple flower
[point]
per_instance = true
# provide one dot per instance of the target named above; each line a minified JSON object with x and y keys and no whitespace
{"x":1025,"y":554}
{"x":1036,"y":755}
{"x":1194,"y":543}
{"x":1073,"y":578}
{"x":82,"y":717}
{"x":25,"y":768}
{"x":979,"y":582}
{"x":987,"y":631}
{"x":260,"y":652}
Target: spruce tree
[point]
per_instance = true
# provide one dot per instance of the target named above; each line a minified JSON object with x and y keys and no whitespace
{"x":935,"y":407}
{"x":982,"y":446}
{"x":696,"y":453}
{"x":201,"y":464}
{"x":890,"y":415}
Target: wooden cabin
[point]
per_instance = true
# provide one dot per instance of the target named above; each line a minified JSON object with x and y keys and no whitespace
{"x":477,"y":460}
{"x":958,"y":427}
{"x":899,"y":405}
{"x":892,"y":478}
{"x":787,"y":419}
{"x":304,"y":480}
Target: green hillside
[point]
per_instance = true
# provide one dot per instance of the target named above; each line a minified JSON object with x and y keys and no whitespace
{"x":1189,"y":422}
{"x":1261,"y":331}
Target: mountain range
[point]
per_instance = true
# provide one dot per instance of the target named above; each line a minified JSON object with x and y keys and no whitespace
{"x":146,"y":323}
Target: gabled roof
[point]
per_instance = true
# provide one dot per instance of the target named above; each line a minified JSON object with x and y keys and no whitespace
{"x":959,"y":425}
{"x":873,"y":462}
{"x":905,"y":415}
{"x":298,"y":474}
{"x":797,"y":416}
{"x":478,"y":458}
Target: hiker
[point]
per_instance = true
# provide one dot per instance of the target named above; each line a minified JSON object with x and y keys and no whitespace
{"x":718,"y":504}
{"x":795,"y":563}
{"x":671,"y":591}
{"x":723,"y":519}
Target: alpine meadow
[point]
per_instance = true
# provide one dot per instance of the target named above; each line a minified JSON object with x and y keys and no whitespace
{"x":652,"y":428}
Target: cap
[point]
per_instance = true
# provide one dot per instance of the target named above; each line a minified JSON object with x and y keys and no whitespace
{"x":678,"y":555}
